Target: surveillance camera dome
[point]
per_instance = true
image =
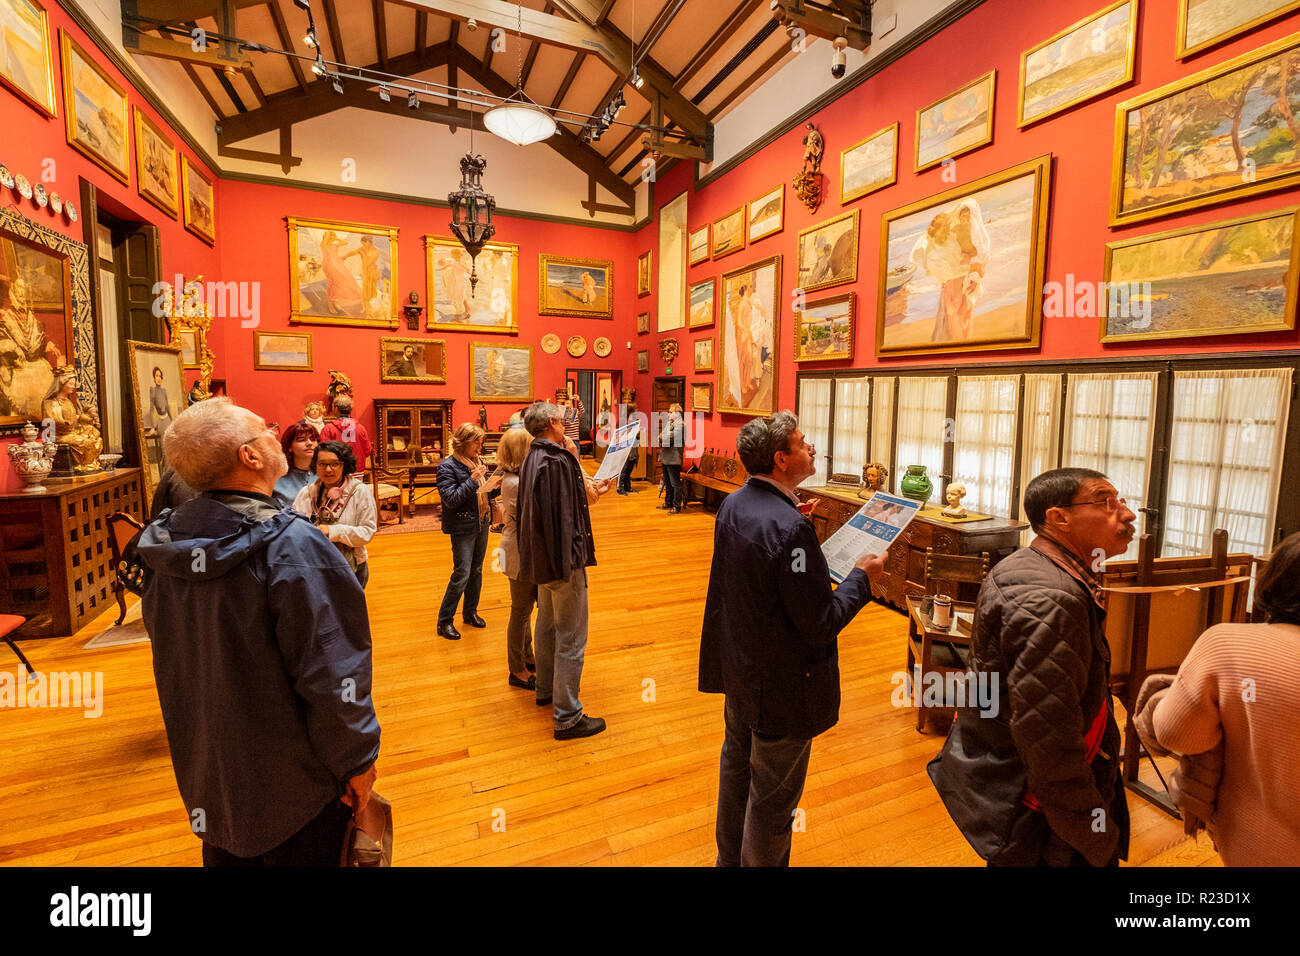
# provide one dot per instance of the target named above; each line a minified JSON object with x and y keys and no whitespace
{"x":471,"y":23}
{"x":839,"y":63}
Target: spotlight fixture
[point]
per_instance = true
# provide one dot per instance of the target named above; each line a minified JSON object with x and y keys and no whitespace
{"x":637,"y":81}
{"x":412,"y":101}
{"x":303,"y":5}
{"x":310,"y":38}
{"x":337,"y":84}
{"x":383,"y":94}
{"x":319,"y":66}
{"x":618,"y":103}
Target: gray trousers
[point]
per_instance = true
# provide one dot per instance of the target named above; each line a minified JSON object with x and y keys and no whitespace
{"x":560,"y":644}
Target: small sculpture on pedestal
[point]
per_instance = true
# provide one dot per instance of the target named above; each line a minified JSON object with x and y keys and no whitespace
{"x":74,"y":429}
{"x":339,"y":384}
{"x":32,"y":459}
{"x":875,"y":477}
{"x":955,"y":493}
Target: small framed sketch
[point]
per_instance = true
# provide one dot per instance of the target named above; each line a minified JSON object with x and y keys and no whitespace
{"x":579,"y":287}
{"x":191,"y":343}
{"x":197,"y":194}
{"x":704,"y":354}
{"x":643,"y":361}
{"x":643,"y":273}
{"x":702,"y":305}
{"x":702,"y":397}
{"x":823,"y":330}
{"x":155,"y":165}
{"x":413,"y":361}
{"x":767,"y":214}
{"x":94,"y":107}
{"x":282,"y":351}
{"x":699,"y":245}
{"x":643,"y":324}
{"x":729,"y":234}
{"x":869,"y":165}
{"x":958,"y":123}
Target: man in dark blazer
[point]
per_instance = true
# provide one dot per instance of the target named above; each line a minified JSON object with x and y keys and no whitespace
{"x":769,"y":642}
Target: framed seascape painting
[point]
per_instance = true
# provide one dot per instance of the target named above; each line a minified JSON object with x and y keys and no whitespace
{"x":1092,"y":57}
{"x":703,"y":355}
{"x":823,"y":330}
{"x":155,"y":165}
{"x":492,"y":305}
{"x":94,"y":108}
{"x":1205,"y":23}
{"x":703,"y":295}
{"x":670,"y":306}
{"x":580,"y":287}
{"x":958,"y":123}
{"x":26,"y":61}
{"x":729,"y":234}
{"x":200,"y":218}
{"x":869,"y":165}
{"x":282,"y":351}
{"x":702,"y":397}
{"x":1223,"y":278}
{"x":767,"y":214}
{"x":500,"y":372}
{"x":643,"y":323}
{"x":342,"y":273}
{"x":747,"y":336}
{"x":1218,"y":135}
{"x":963,"y":271}
{"x":643,"y":360}
{"x":698,"y":245}
{"x":158,"y":389}
{"x":643,"y":274}
{"x":828,"y":253}
{"x":413,"y":361}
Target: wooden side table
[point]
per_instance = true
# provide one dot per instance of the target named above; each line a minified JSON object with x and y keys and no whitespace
{"x":924,"y":638}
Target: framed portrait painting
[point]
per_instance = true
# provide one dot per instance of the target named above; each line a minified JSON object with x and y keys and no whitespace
{"x":828,"y":253}
{"x":158,"y":390}
{"x":94,"y":108}
{"x":728,"y":234}
{"x":155,"y":165}
{"x":823,"y":330}
{"x":699,"y":245}
{"x":1083,"y":61}
{"x":36,"y":326}
{"x":200,"y":215}
{"x":747,"y":335}
{"x":767,"y":214}
{"x":492,"y":305}
{"x":578,"y":287}
{"x":702,"y":397}
{"x":413,"y":361}
{"x":342,"y":273}
{"x":962,"y":271}
{"x":643,"y":274}
{"x":958,"y":123}
{"x":702,"y":298}
{"x":1206,"y":23}
{"x":703,"y":355}
{"x":26,"y":61}
{"x":500,"y":372}
{"x":869,"y":165}
{"x":282,"y":351}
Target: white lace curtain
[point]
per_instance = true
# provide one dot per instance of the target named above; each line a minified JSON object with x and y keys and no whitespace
{"x":984,"y":451}
{"x":852,"y":420}
{"x":882,"y":422}
{"x":815,"y":422}
{"x":922,"y":403}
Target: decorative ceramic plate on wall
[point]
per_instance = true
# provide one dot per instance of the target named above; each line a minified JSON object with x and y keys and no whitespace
{"x":550,"y":343}
{"x":42,"y":199}
{"x":602,"y":347}
{"x":56,"y":202}
{"x":70,"y":211}
{"x":577,"y":346}
{"x":24,"y":187}
{"x":6,"y":178}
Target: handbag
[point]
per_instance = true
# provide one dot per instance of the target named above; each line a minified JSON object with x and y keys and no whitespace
{"x":368,"y":839}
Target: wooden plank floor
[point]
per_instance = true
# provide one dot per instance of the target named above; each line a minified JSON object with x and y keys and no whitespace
{"x":468,"y":761}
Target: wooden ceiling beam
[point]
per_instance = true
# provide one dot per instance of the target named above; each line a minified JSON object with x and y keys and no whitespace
{"x":578,"y":59}
{"x":336,"y":35}
{"x":421,"y":31}
{"x":178,"y":11}
{"x":796,"y":14}
{"x":194,"y":78}
{"x":381,"y":32}
{"x":286,"y":43}
{"x":720,"y":36}
{"x":532,"y":52}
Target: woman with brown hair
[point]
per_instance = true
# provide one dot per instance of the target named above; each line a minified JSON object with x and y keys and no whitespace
{"x":299,"y":442}
{"x":512,"y":451}
{"x":1233,"y":712}
{"x":465,"y":488}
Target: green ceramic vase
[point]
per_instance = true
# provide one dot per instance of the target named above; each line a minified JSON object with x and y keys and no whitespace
{"x":916,"y":483}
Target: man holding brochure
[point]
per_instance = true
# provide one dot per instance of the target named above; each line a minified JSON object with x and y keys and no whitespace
{"x":769,"y":642}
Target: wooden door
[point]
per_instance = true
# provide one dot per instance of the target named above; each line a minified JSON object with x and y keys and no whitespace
{"x":667,"y":391}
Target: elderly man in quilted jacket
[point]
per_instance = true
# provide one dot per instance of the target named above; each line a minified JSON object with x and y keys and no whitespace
{"x":1038,"y":783}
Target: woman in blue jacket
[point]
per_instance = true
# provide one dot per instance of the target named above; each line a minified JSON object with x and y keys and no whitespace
{"x":465,"y":488}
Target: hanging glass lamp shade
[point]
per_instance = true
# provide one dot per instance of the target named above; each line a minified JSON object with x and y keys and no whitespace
{"x":471,"y":211}
{"x":519,"y":120}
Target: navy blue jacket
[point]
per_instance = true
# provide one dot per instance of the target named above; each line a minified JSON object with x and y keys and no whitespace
{"x":458,"y":495}
{"x":554,"y":524}
{"x":771,"y":618}
{"x":261,"y":655}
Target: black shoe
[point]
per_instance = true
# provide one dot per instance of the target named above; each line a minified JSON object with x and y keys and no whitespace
{"x":530,"y":684}
{"x":544,"y":702}
{"x":585,"y":727}
{"x":449,"y":632}
{"x":674,"y":511}
{"x":532,"y":667}
{"x":621,"y":492}
{"x":661,"y":507}
{"x":473,"y":620}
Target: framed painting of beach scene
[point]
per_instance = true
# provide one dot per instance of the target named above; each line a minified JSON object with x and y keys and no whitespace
{"x":500,"y":372}
{"x":869,"y":165}
{"x":958,"y":123}
{"x":1223,"y":278}
{"x":579,"y":287}
{"x":962,"y":271}
{"x":1205,"y":23}
{"x":1220,"y":134}
{"x":197,"y":188}
{"x":643,"y":274}
{"x":702,"y":295}
{"x":342,"y":273}
{"x":767,"y":214}
{"x":413,"y":361}
{"x":94,"y":107}
{"x":1092,"y":57}
{"x":702,"y":397}
{"x":26,"y":61}
{"x":282,"y":351}
{"x":747,"y":335}
{"x":729,"y":234}
{"x":492,"y":305}
{"x":703,"y":355}
{"x":155,"y":165}
{"x":828,"y":253}
{"x":823,"y":330}
{"x":699,"y":245}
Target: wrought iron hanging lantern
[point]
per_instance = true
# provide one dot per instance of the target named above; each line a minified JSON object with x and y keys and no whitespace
{"x":471,"y":211}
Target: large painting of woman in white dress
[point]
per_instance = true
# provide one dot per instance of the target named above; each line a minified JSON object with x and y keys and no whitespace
{"x":491,"y":305}
{"x":747,"y":337}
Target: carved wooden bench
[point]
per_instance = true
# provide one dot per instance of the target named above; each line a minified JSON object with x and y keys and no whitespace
{"x":718,"y":473}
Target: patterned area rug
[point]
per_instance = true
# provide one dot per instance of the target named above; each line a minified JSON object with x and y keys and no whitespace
{"x":131,"y":632}
{"x":425,"y":520}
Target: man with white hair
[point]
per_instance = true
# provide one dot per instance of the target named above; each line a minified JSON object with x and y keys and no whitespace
{"x":261,"y":652}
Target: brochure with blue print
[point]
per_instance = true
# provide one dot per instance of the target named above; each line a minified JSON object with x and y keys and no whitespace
{"x":620,"y":446}
{"x":871,"y":531}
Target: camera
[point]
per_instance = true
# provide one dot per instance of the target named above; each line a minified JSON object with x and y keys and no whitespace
{"x":839,"y":59}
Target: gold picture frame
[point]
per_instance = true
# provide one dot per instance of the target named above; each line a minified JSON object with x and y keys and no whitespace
{"x":768,"y":218}
{"x":702,"y":354}
{"x":200,"y":206}
{"x":824,"y":331}
{"x":1184,"y":49}
{"x":855,"y":185}
{"x":643,"y":323}
{"x":563,"y":289}
{"x":643,"y":360}
{"x":702,"y":397}
{"x":732,"y":227}
{"x":751,"y":318}
{"x":335,"y":291}
{"x":1193,"y":288}
{"x":947,"y":140}
{"x":701,"y":308}
{"x":190,"y":340}
{"x":494,"y":306}
{"x":429,"y":354}
{"x":643,"y":266}
{"x":25,"y":39}
{"x":155,"y":165}
{"x":500,"y":372}
{"x":93,"y":99}
{"x":698,"y":245}
{"x":282,"y":351}
{"x":827,"y":253}
{"x":151,"y":396}
{"x":1138,"y":202}
{"x":1105,"y":21}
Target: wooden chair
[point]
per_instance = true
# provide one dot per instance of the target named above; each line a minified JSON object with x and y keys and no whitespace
{"x":389,"y":486}
{"x":8,"y":624}
{"x":122,"y":527}
{"x":941,"y":570}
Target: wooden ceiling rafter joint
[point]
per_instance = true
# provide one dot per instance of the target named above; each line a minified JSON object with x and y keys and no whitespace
{"x":336,"y":35}
{"x":852,"y":21}
{"x":381,"y":32}
{"x":139,"y":16}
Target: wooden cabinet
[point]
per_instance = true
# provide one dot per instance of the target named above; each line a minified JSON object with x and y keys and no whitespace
{"x":904,"y":572}
{"x":412,"y":431}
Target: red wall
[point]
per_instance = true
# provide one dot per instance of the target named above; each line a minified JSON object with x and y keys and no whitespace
{"x":1081,"y":141}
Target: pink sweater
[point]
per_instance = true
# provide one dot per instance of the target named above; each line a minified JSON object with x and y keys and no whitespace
{"x":1241,"y":682}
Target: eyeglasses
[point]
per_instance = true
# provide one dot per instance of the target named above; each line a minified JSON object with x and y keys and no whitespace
{"x":329,"y":464}
{"x":1109,"y":502}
